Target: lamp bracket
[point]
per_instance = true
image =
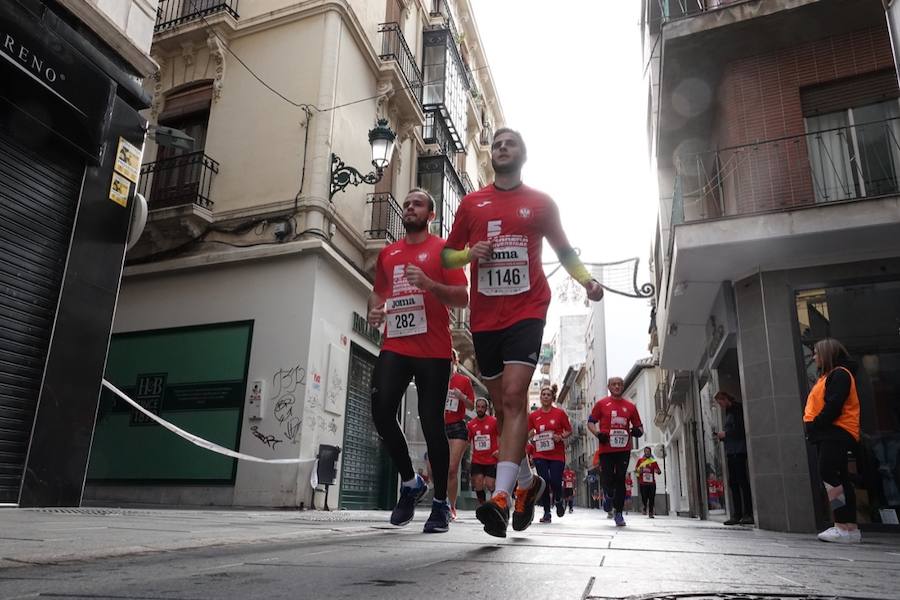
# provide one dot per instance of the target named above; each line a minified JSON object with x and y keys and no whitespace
{"x":343,"y":175}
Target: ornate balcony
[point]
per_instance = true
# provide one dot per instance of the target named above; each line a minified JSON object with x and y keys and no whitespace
{"x":172,"y":13}
{"x":179,"y":197}
{"x":386,"y":221}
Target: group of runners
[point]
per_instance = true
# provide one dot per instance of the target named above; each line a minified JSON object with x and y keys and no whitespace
{"x":498,"y":233}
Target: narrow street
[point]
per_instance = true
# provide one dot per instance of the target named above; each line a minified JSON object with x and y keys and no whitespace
{"x":158,"y":554}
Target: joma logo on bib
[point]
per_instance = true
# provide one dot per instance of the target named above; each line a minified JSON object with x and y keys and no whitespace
{"x":505,"y":254}
{"x":401,"y":302}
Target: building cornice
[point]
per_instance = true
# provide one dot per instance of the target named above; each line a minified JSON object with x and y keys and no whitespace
{"x":109,"y":32}
{"x":261,"y":252}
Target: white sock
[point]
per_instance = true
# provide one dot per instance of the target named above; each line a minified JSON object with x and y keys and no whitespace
{"x":506,"y":477}
{"x":411,"y":483}
{"x":525,"y":476}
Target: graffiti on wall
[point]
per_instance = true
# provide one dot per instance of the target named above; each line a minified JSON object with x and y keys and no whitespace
{"x":288,"y":384}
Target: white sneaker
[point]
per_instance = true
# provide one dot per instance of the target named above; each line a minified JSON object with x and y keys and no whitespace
{"x":840,"y":536}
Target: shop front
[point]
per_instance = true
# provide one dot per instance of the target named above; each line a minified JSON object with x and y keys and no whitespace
{"x":865,"y":317}
{"x":70,"y":147}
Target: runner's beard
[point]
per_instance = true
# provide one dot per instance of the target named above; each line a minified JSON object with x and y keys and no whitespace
{"x":480,"y":415}
{"x":415,"y":226}
{"x":510,"y":167}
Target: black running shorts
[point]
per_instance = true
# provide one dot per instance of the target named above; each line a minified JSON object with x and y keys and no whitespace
{"x":457,"y":431}
{"x":519,"y":343}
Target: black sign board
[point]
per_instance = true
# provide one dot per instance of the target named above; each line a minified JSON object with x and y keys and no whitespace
{"x":48,"y":82}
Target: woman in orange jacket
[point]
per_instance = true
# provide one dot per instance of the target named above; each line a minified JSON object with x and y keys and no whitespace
{"x":831,"y":419}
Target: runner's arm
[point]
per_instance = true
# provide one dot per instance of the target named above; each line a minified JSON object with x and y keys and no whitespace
{"x":456,"y":296}
{"x":569,"y":259}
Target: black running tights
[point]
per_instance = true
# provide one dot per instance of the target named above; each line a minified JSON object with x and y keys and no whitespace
{"x":614,"y":467}
{"x":392,"y":375}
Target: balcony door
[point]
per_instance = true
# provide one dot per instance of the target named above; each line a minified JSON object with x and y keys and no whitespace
{"x":178,"y":173}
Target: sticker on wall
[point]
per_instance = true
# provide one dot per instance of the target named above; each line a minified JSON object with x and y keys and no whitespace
{"x":128,"y":160}
{"x":119,"y":189}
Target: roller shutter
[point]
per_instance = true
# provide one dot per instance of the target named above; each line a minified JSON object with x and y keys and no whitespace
{"x":38,"y":197}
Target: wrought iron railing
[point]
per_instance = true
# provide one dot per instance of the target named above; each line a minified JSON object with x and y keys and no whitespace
{"x":486,"y":136}
{"x":394,"y":47}
{"x":676,"y":9}
{"x":440,"y":8}
{"x":840,"y":164}
{"x":184,"y":179}
{"x":436,"y":131}
{"x":467,"y":183}
{"x":459,"y":319}
{"x":387,"y":218}
{"x":171,"y":13}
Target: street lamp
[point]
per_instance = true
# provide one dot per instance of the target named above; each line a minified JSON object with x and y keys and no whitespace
{"x":381,"y":138}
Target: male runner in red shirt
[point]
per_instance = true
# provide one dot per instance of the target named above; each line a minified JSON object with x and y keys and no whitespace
{"x":646,"y":470}
{"x":569,"y":488}
{"x":548,"y":428}
{"x":460,"y":396}
{"x":411,"y":294}
{"x":615,"y":420}
{"x":500,"y":229}
{"x":482,"y":432}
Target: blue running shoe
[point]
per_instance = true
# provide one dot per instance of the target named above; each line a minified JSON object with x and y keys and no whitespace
{"x":439,"y":519}
{"x":620,"y":520}
{"x":406,"y":505}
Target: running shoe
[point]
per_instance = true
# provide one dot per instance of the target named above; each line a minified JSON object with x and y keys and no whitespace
{"x":620,"y":520}
{"x":560,"y":509}
{"x":651,"y":516}
{"x":439,"y":519}
{"x":841,"y":536}
{"x":607,"y":504}
{"x":494,"y":514}
{"x":571,"y":510}
{"x":547,"y":518}
{"x":523,"y":514}
{"x":747,"y":520}
{"x":406,"y":505}
{"x":609,"y":514}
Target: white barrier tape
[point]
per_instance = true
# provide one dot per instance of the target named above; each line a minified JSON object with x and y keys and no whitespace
{"x":198,"y":441}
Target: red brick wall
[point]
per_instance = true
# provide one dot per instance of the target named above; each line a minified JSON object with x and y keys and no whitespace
{"x":759,"y":99}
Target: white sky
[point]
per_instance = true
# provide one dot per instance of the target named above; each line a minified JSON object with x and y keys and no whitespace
{"x":569,"y":74}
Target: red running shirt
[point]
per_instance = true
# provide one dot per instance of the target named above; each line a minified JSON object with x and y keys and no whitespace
{"x":647,"y":469}
{"x":454,"y":409}
{"x":483,"y":435}
{"x":545,"y":424}
{"x":568,"y":478}
{"x":511,"y":287}
{"x":417,"y":324}
{"x":615,"y":417}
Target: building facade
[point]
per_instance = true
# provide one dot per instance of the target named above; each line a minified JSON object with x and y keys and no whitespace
{"x":242,"y":310}
{"x":71,"y":139}
{"x":777,"y":162}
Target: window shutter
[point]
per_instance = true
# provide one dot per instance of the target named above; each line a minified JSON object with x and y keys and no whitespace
{"x":849,"y":93}
{"x":186,"y":101}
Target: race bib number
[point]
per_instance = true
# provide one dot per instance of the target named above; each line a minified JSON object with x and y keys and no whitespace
{"x":405,"y":316}
{"x":618,"y":438}
{"x":452,"y":404}
{"x":543,"y":442}
{"x":506,"y":273}
{"x":647,"y":477}
{"x":482,"y":442}
{"x":569,"y":484}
